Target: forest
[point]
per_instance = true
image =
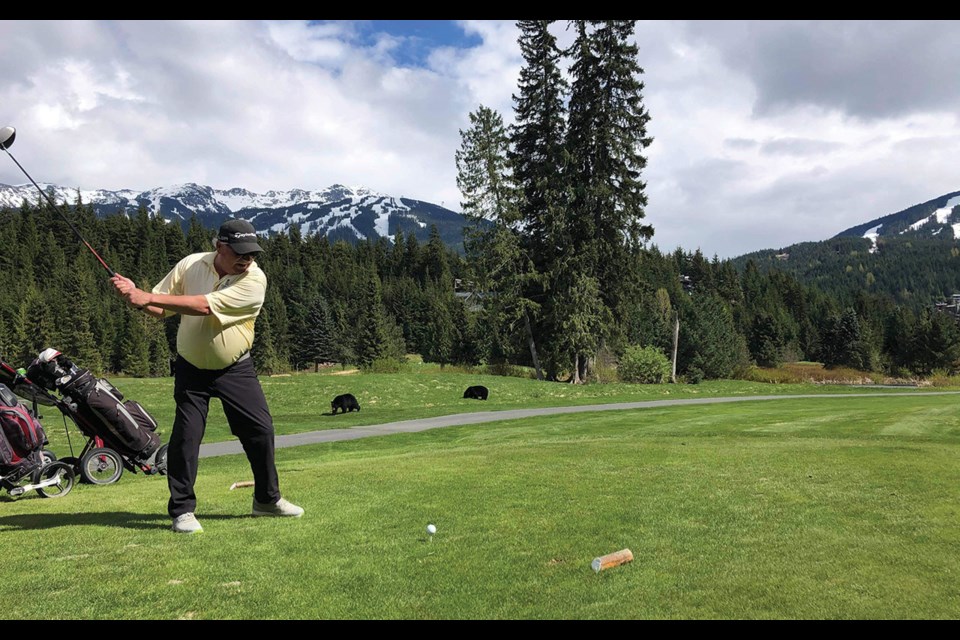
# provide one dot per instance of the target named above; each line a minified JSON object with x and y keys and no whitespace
{"x":369,"y":303}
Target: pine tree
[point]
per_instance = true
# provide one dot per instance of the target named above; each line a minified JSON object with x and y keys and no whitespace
{"x":176,"y":249}
{"x":606,"y":135}
{"x":766,"y":340}
{"x":466,"y":349}
{"x":199,"y":239}
{"x":279,"y":327}
{"x":396,"y":253}
{"x":19,"y":345}
{"x":710,"y":345}
{"x":265,"y":356}
{"x":160,"y":356}
{"x":935,"y":344}
{"x":435,"y":262}
{"x":539,"y":163}
{"x":536,"y":154}
{"x":411,"y":257}
{"x":318,"y":343}
{"x":406,"y":301}
{"x":80,"y":343}
{"x":500,"y":270}
{"x":134,"y":346}
{"x":440,"y":331}
{"x":602,"y":230}
{"x":371,"y":336}
{"x":845,"y":343}
{"x":582,"y":325}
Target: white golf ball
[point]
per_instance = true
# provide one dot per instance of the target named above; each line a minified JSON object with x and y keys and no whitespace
{"x":431,"y":529}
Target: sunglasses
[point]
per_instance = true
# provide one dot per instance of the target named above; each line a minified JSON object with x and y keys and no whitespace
{"x":245,"y":256}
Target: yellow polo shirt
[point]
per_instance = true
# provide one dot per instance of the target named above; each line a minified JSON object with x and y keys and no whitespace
{"x":217,"y":340}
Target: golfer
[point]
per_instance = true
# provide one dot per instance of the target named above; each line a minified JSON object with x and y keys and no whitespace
{"x":219,"y":295}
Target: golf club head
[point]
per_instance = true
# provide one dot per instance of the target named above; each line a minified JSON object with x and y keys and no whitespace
{"x":7,"y":136}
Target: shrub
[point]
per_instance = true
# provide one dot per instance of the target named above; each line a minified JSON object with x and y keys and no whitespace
{"x":385,"y":365}
{"x":807,"y":372}
{"x":694,"y":375}
{"x":604,"y":373}
{"x":646,"y":365}
{"x":942,"y":378}
{"x":604,"y":367}
{"x":510,"y":370}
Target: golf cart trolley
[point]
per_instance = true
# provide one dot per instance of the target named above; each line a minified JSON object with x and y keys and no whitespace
{"x":24,"y":464}
{"x":120,"y":434}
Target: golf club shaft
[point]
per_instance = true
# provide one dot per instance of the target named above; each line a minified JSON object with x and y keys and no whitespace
{"x":65,"y":218}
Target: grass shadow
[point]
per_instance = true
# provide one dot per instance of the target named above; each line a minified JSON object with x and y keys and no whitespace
{"x":120,"y":519}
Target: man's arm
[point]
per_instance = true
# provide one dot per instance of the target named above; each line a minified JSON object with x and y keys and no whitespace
{"x":155,"y":304}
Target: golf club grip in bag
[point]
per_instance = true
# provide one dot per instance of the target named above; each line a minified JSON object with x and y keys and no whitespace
{"x":124,"y":426}
{"x":20,"y":433}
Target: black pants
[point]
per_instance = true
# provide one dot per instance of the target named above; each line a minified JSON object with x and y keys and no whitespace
{"x":246,"y":409}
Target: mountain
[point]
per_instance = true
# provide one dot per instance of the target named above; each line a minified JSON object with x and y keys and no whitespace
{"x":912,"y":256}
{"x":339,"y":212}
{"x":931,"y":218}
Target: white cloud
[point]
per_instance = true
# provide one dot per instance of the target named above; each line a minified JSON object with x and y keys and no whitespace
{"x":765,"y":133}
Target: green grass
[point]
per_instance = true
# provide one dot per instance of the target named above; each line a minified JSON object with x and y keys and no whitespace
{"x":822,"y":508}
{"x":301,"y":402}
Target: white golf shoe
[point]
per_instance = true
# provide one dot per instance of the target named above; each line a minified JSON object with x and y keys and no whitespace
{"x":281,"y":507}
{"x":186,"y":523}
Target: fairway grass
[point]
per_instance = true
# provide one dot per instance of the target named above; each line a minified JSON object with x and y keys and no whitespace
{"x":826,"y":508}
{"x":301,"y":402}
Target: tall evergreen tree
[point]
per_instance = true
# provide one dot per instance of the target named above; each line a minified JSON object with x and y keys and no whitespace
{"x":539,"y":162}
{"x":134,"y":345}
{"x":710,"y":345}
{"x":441,"y":333}
{"x":582,"y":325}
{"x":435,"y":263}
{"x":935,"y":344}
{"x":605,"y":138}
{"x":264,"y":352}
{"x":318,"y":342}
{"x":160,"y":357}
{"x":198,"y":239}
{"x":845,"y":342}
{"x":537,"y":154}
{"x":371,"y":333}
{"x":80,"y":342}
{"x":500,"y":269}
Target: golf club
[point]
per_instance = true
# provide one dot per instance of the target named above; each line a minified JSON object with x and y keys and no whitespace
{"x":7,"y":136}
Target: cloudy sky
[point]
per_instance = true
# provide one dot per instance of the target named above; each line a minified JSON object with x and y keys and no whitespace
{"x":765,"y":133}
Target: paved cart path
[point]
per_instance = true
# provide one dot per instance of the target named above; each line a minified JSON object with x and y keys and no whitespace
{"x":422,"y":424}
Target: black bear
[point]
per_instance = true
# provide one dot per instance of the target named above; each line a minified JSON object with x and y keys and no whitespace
{"x":345,"y":403}
{"x":477,"y":393}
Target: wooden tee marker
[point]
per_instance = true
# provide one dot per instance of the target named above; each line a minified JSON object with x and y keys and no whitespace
{"x":614,"y":559}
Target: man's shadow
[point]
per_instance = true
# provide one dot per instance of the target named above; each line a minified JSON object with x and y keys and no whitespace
{"x":121,"y":519}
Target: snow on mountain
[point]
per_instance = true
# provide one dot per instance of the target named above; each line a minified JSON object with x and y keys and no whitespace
{"x":12,"y":196}
{"x":941,"y":216}
{"x":928,"y":218}
{"x":338,"y":211}
{"x":237,"y":199}
{"x":872,"y":234}
{"x":203,"y":197}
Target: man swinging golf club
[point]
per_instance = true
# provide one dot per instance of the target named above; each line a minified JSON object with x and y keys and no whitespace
{"x":219,"y":295}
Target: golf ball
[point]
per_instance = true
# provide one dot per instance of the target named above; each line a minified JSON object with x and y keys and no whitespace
{"x":431,"y":529}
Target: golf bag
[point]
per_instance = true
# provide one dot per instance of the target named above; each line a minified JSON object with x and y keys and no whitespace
{"x":21,"y":436}
{"x":24,"y":464}
{"x":99,"y":410}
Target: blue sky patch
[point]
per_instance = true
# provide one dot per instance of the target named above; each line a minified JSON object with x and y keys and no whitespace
{"x":417,"y":37}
